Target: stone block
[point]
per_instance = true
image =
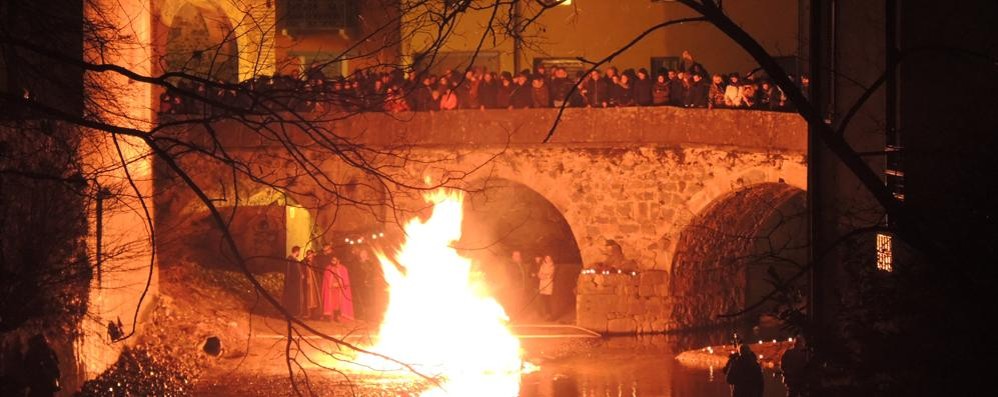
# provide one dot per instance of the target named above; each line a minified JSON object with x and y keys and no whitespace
{"x":660,"y":326}
{"x":651,"y":281}
{"x":622,"y":325}
{"x":594,"y":323}
{"x":636,"y":306}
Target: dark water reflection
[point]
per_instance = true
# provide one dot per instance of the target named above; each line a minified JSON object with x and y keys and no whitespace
{"x":626,"y":366}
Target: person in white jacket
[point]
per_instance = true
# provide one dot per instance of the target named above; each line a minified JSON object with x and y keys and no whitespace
{"x":545,"y":288}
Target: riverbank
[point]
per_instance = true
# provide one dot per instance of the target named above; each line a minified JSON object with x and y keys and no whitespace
{"x":769,"y":354}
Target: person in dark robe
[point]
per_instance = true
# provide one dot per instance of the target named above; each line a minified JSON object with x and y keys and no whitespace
{"x":517,"y":274}
{"x":291,"y":298}
{"x":310,"y":302}
{"x":42,"y":368}
{"x":362,"y":272}
{"x":743,"y":373}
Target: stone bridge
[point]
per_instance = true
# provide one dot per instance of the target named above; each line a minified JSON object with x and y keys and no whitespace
{"x":693,"y":197}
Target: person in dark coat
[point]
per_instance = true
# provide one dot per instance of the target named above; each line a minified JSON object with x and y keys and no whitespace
{"x":660,"y":91}
{"x":677,"y":92}
{"x":793,"y":366}
{"x":699,"y":91}
{"x":504,"y":92}
{"x":422,"y":96}
{"x":291,"y":298}
{"x":42,"y":368}
{"x":622,"y":92}
{"x":743,"y":373}
{"x":487,"y":90}
{"x":560,"y":85}
{"x":576,"y":99}
{"x":715,"y":93}
{"x":642,"y":88}
{"x":596,"y":91}
{"x":468,"y":91}
{"x":540,"y":93}
{"x":769,"y":96}
{"x":522,"y":96}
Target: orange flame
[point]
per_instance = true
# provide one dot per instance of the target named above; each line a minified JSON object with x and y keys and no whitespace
{"x":440,"y":318}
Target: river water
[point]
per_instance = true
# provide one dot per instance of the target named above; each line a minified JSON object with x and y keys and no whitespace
{"x":569,"y":367}
{"x":626,"y":366}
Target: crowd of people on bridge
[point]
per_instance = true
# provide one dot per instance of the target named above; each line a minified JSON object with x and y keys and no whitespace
{"x":688,"y":85}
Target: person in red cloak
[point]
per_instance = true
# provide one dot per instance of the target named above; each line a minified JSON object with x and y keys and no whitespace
{"x":337,"y":297}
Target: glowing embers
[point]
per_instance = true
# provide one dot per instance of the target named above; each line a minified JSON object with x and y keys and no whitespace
{"x":440,"y":318}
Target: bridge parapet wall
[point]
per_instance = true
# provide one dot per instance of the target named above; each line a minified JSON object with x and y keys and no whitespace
{"x":609,"y":127}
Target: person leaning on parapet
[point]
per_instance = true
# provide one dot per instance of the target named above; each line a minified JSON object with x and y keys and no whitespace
{"x":642,"y":88}
{"x":743,"y":373}
{"x":660,"y":90}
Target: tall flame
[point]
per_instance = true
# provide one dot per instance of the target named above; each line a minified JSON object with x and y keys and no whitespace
{"x":440,"y":317}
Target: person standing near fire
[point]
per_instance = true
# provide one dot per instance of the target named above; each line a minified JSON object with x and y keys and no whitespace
{"x":337,"y":297}
{"x":291,"y":298}
{"x":545,"y":288}
{"x":310,"y":302}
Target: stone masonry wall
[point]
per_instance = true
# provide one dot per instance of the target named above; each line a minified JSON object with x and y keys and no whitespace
{"x":625,"y":303}
{"x":636,"y":176}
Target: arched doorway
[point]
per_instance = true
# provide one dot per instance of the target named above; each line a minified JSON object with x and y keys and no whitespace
{"x":505,"y":216}
{"x":201,"y":41}
{"x":726,"y":257}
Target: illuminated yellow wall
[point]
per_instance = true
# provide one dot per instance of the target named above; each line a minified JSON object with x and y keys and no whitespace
{"x":298,"y":228}
{"x":595,"y":28}
{"x":126,"y":250}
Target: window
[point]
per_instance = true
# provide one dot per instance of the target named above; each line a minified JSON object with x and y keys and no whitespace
{"x":310,"y":15}
{"x":458,"y":60}
{"x":325,"y":60}
{"x":571,"y":65}
{"x":885,"y":252}
{"x":669,"y":63}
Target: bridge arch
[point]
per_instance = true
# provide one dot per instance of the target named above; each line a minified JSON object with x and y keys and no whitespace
{"x":503,"y":215}
{"x":241,"y":32}
{"x":723,"y":255}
